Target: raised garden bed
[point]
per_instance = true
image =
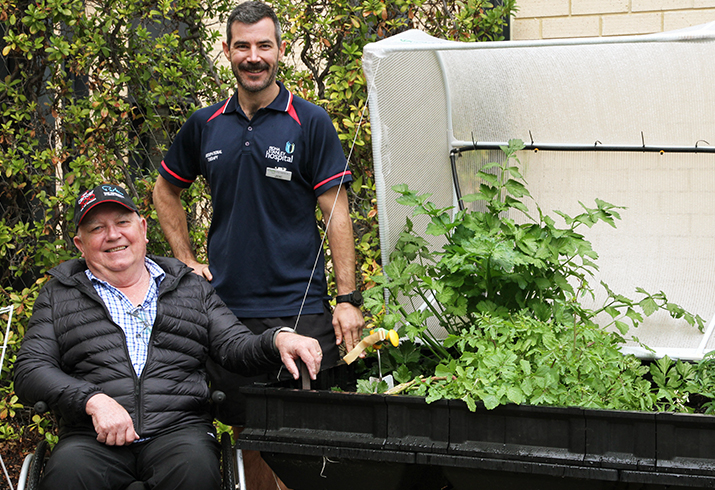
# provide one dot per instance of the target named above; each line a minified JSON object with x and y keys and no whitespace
{"x":330,"y":440}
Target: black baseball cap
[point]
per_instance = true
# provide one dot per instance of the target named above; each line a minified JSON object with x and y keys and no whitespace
{"x":104,"y":193}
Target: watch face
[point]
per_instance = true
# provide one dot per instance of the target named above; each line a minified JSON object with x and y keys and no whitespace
{"x":356,"y":298}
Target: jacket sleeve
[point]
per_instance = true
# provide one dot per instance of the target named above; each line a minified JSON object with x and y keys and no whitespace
{"x":233,"y":345}
{"x":38,"y":373}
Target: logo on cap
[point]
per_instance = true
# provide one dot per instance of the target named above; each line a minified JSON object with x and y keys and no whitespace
{"x":110,"y":190}
{"x":86,"y":198}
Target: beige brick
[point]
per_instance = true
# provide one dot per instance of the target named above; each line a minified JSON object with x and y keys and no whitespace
{"x":687,"y":18}
{"x":542,"y":8}
{"x":677,"y":181}
{"x":525,"y":29}
{"x":683,"y":202}
{"x":704,"y":223}
{"x":569,"y":27}
{"x":628,"y":24}
{"x":217,"y":54}
{"x":703,"y":180}
{"x":660,"y":5}
{"x":700,"y":4}
{"x":580,"y":7}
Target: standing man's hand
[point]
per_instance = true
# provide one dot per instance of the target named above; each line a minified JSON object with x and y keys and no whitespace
{"x":111,"y":421}
{"x":348,"y":324}
{"x":200,"y":269}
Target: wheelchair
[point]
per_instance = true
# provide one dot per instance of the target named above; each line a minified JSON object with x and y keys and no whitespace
{"x":232,"y":472}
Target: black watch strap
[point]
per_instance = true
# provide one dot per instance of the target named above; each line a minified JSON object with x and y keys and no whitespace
{"x":354,"y":298}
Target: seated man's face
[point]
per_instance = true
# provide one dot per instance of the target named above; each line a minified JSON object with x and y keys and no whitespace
{"x":112,"y":240}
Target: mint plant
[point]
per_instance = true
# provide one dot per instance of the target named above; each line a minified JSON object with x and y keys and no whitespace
{"x":511,"y":297}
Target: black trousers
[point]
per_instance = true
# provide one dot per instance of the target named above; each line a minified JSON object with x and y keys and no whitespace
{"x":187,"y":458}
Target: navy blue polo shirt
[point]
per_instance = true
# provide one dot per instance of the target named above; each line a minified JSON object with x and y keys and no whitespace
{"x":265,"y":176}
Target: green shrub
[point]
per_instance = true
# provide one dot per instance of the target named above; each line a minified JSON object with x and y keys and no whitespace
{"x":91,"y":91}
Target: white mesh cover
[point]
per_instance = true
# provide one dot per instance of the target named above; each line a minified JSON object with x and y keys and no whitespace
{"x":429,"y":96}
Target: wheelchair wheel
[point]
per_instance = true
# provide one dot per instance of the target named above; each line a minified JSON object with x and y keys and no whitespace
{"x":227,"y":463}
{"x":38,"y":462}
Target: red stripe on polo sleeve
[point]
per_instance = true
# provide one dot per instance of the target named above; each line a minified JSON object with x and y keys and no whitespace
{"x":174,"y":174}
{"x":332,"y":178}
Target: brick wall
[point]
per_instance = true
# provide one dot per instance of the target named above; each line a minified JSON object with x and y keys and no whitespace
{"x":552,"y":19}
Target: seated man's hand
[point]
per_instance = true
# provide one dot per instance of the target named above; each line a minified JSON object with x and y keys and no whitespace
{"x":293,"y":347}
{"x":111,"y":421}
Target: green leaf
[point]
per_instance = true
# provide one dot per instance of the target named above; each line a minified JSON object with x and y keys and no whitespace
{"x":515,"y":395}
{"x":516,"y":188}
{"x":622,"y":327}
{"x":445,"y":370}
{"x":649,"y":305}
{"x":402,"y":374}
{"x":490,"y":401}
{"x":525,"y":366}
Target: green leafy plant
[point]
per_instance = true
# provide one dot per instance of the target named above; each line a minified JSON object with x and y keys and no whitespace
{"x":521,"y":359}
{"x":510,"y":295}
{"x":705,"y":380}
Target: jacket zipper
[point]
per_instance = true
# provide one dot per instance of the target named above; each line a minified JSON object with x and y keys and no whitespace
{"x":165,"y":287}
{"x":92,"y":293}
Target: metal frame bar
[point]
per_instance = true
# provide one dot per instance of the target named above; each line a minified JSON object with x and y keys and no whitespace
{"x":597,"y":146}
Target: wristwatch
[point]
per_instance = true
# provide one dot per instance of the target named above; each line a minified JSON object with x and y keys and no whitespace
{"x":354,"y":298}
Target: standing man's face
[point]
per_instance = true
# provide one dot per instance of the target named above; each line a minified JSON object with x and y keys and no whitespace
{"x":254,"y":54}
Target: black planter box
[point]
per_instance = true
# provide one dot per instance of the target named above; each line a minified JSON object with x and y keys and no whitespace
{"x":328,"y":440}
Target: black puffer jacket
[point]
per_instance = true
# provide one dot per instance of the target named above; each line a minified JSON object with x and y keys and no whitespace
{"x":72,"y":350}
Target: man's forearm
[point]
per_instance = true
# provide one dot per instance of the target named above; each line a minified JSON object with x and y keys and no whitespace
{"x":342,"y":251}
{"x":172,"y":218}
{"x":340,"y":239}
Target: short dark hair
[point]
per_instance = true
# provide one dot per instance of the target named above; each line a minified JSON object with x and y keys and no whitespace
{"x":249,"y":13}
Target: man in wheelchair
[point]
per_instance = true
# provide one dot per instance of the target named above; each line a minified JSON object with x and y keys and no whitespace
{"x":117,"y":346}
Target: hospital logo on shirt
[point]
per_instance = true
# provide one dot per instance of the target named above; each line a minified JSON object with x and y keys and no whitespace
{"x":275,"y":153}
{"x":290,"y":147}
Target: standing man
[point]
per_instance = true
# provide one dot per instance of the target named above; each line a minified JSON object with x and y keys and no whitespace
{"x":268,"y":157}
